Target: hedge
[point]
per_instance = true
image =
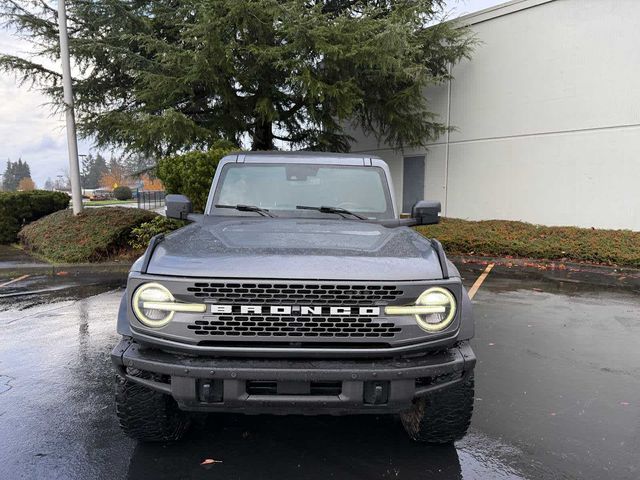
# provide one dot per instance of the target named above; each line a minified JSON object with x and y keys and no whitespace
{"x":20,"y":208}
{"x":191,"y":174}
{"x":96,"y":234}
{"x":141,"y":236}
{"x":503,"y":238}
{"x":122,"y":193}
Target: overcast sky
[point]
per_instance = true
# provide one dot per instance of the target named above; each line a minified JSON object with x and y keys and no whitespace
{"x":29,"y":130}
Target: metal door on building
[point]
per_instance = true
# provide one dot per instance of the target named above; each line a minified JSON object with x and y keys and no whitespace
{"x":413,"y":182}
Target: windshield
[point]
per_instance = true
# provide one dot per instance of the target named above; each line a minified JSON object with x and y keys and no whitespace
{"x":280,"y":188}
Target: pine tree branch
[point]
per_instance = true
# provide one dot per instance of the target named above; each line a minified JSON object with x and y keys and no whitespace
{"x":286,"y":114}
{"x":48,"y":8}
{"x":9,"y":63}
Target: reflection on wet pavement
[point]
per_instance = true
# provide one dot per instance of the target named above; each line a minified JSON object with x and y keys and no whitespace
{"x":558,"y":396}
{"x":45,"y":290}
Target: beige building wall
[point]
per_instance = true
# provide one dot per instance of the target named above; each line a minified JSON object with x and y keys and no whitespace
{"x":546,"y":117}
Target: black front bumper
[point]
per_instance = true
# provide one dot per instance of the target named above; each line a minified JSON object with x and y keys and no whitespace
{"x":293,"y":386}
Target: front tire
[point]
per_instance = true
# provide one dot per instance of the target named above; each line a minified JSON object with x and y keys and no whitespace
{"x":147,"y":415}
{"x":441,"y":417}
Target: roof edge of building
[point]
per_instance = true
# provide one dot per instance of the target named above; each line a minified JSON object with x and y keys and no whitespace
{"x":499,"y":11}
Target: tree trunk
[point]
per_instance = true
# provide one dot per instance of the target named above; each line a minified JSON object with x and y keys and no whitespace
{"x":263,"y":136}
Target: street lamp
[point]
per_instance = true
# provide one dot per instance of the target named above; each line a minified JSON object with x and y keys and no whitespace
{"x":60,"y":184}
{"x":72,"y":140}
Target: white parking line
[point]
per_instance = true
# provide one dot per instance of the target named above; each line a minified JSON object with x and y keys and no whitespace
{"x":476,"y":286}
{"x":14,"y":281}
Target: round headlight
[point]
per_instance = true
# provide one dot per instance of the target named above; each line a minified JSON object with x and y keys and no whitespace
{"x":443,"y":304}
{"x":148,"y":294}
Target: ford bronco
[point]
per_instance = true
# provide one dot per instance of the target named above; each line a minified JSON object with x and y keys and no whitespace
{"x":298,"y":291}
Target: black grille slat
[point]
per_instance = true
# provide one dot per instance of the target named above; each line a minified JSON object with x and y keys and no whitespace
{"x":262,"y":387}
{"x":326,"y":388}
{"x":296,"y":294}
{"x":280,"y":325}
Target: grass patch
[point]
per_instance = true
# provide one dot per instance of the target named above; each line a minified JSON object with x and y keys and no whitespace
{"x":501,"y":238}
{"x":95,"y":235}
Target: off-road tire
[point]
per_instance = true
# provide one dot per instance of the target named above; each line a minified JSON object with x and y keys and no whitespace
{"x":441,"y":417}
{"x":147,"y":415}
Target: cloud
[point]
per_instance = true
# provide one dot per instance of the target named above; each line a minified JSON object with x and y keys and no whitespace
{"x":44,"y":144}
{"x":462,"y":7}
{"x":29,"y":128}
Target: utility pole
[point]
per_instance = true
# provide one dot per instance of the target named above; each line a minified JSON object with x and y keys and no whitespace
{"x":72,"y":141}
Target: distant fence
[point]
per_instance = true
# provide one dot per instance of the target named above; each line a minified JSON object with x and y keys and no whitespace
{"x":151,"y":200}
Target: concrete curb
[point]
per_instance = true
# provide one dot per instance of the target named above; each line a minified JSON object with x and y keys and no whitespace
{"x":71,"y":269}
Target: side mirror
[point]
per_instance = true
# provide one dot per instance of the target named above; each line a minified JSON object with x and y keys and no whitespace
{"x":426,"y":213}
{"x":178,"y":206}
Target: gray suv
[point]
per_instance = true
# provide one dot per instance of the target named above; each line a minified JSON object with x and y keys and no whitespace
{"x":298,"y":291}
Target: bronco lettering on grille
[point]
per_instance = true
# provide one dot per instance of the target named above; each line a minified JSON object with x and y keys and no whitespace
{"x":293,"y":310}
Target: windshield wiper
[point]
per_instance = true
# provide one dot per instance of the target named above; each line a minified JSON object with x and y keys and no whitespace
{"x":248,"y":208}
{"x":339,"y":211}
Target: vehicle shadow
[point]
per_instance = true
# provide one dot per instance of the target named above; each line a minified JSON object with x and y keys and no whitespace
{"x":265,"y":447}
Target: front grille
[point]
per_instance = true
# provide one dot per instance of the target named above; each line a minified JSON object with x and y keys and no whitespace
{"x":287,"y":326}
{"x":296,"y":294}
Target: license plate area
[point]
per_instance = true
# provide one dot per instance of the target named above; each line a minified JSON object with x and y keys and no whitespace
{"x":274,"y":387}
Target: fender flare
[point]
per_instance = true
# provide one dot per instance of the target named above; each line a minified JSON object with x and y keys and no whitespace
{"x":467,"y":322}
{"x":123,"y":325}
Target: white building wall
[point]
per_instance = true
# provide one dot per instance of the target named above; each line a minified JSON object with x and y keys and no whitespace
{"x":547,"y":118}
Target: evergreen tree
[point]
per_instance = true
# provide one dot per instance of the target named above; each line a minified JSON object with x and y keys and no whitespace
{"x":15,"y":172}
{"x":164,"y":76}
{"x":93,"y":167}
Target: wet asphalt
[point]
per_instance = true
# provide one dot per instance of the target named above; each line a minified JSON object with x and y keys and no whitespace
{"x":558,"y":396}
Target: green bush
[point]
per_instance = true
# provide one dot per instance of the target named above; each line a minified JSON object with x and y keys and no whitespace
{"x":122,"y":193}
{"x":191,"y":174}
{"x":20,"y":208}
{"x":140,"y":236}
{"x":94,"y":235}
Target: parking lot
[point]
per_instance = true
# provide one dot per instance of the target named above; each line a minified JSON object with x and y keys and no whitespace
{"x":558,"y":396}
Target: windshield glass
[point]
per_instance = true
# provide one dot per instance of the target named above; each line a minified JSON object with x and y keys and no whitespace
{"x":281,"y":188}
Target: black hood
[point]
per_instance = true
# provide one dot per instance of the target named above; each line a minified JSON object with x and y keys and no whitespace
{"x":321,"y":249}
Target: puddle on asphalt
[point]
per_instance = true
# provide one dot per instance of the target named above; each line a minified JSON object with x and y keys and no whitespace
{"x":586,"y":292}
{"x":44,"y":290}
{"x":482,"y":457}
